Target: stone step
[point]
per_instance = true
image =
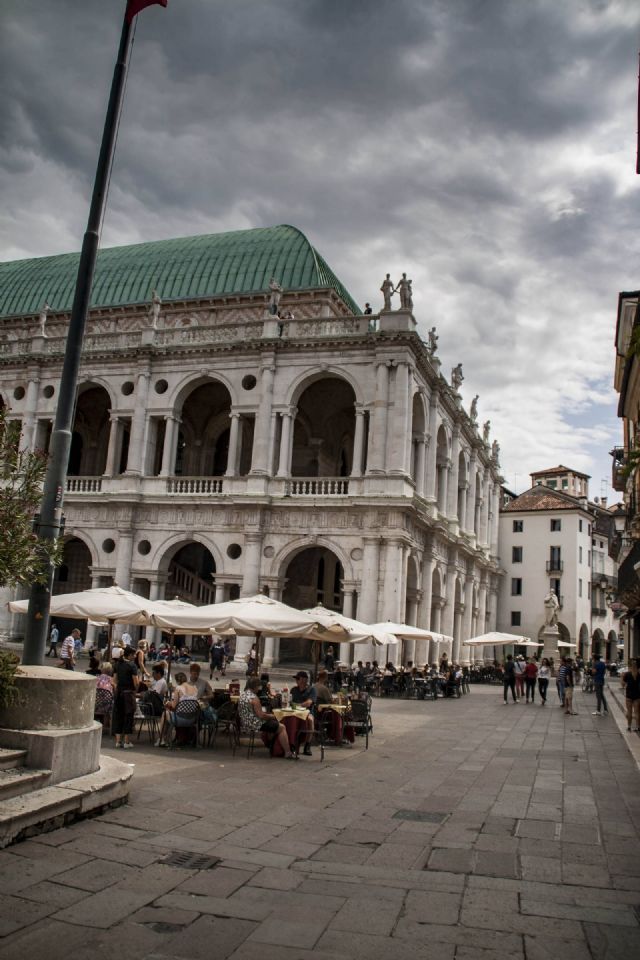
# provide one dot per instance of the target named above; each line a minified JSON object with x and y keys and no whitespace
{"x":10,"y":759}
{"x":18,"y":781}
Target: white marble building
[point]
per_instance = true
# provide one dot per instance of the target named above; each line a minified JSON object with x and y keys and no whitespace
{"x":220,"y":449}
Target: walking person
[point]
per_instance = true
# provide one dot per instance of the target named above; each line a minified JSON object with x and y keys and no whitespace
{"x":519,"y":668}
{"x":544,"y":675}
{"x":53,"y":641}
{"x":599,"y":674}
{"x":560,"y":680}
{"x":630,"y":681}
{"x":509,"y":679}
{"x":568,"y":688}
{"x":530,"y":677}
{"x":68,"y":650}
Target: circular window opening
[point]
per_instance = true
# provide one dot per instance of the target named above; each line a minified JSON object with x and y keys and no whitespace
{"x":18,"y":393}
{"x":249,"y":381}
{"x":234,"y":550}
{"x":144,"y":547}
{"x":49,"y":391}
{"x":108,"y":545}
{"x":161,"y":386}
{"x":127,"y":388}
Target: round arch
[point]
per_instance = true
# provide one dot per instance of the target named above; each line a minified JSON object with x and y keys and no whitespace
{"x":286,"y":554}
{"x":88,"y":383}
{"x":74,"y":573}
{"x":323,"y":432}
{"x":165,"y":552}
{"x":191,"y":381}
{"x":307,"y":378}
{"x":419,"y":412}
{"x":87,"y":540}
{"x":583,"y":641}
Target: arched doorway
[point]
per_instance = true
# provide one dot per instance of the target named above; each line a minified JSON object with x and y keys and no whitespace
{"x":191,"y":574}
{"x":442,"y":469}
{"x":312,"y":576}
{"x":324,"y":430}
{"x":203,"y":439}
{"x":612,"y":646}
{"x":418,"y":430}
{"x":583,"y":642}
{"x":72,"y":576}
{"x":597,"y":642}
{"x":90,"y":437}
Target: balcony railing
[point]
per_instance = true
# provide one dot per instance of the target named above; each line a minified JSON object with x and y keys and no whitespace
{"x":555,"y":566}
{"x":194,"y":485}
{"x":598,"y":611}
{"x":318,"y":487}
{"x":83,"y":484}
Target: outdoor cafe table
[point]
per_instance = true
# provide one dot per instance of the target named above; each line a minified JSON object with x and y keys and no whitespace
{"x":338,"y":730}
{"x":295,"y":723}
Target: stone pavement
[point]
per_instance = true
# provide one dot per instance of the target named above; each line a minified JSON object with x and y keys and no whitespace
{"x":468,"y":830}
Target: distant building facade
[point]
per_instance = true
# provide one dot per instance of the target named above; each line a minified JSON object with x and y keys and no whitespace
{"x":552,"y":538}
{"x":231,"y":438}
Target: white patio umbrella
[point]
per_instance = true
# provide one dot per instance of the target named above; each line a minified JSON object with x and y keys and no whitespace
{"x":495,"y":639}
{"x":405,"y":631}
{"x":101,"y":605}
{"x":357,"y":632}
{"x":563,"y":643}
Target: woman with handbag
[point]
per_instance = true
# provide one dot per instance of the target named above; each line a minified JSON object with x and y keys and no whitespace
{"x":126,"y":680}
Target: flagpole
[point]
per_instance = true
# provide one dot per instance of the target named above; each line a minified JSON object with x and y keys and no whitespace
{"x":49,"y":522}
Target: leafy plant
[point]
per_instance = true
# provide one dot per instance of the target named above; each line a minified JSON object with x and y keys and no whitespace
{"x":8,"y":690}
{"x":25,"y":557}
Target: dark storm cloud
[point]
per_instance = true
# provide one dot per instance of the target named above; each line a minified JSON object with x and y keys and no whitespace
{"x":485,"y":146}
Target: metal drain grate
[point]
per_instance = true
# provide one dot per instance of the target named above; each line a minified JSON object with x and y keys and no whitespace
{"x":190,"y":861}
{"x":421,"y":816}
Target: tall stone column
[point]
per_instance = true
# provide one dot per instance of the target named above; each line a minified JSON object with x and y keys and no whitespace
{"x":426,"y":593}
{"x":379,"y":420}
{"x":431,"y":480}
{"x":112,"y":448}
{"x":467,"y":652}
{"x":90,"y":636}
{"x":484,"y":513}
{"x":482,"y":607}
{"x":272,"y":445}
{"x":234,"y":435}
{"x":346,"y":649}
{"x":457,"y":632}
{"x":156,"y":591}
{"x":420,"y":464}
{"x":448,"y":613}
{"x":396,"y":462}
{"x":259,"y":460}
{"x":219,"y":594}
{"x":27,"y":438}
{"x":252,"y":553}
{"x":369,"y":588}
{"x":358,"y":440}
{"x":471,"y":493}
{"x":452,"y":490}
{"x":463,"y":490}
{"x":284,"y":463}
{"x":170,"y":445}
{"x":495,"y":525}
{"x":392,"y":593}
{"x":137,"y":450}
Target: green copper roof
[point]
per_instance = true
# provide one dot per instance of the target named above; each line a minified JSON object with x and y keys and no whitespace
{"x":240,"y":262}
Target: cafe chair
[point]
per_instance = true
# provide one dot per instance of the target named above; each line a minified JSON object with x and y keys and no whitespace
{"x":227,"y":722}
{"x":103,"y":708}
{"x":187,"y":714}
{"x":145,"y":717}
{"x":359,"y":717}
{"x":319,"y":735}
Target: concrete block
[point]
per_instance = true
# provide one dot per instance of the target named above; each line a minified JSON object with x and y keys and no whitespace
{"x":66,"y":752}
{"x":50,"y":699}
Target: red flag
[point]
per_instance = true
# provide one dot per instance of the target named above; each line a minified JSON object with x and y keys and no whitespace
{"x":135,"y":6}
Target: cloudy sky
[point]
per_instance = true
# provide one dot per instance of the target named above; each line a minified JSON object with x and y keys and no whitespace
{"x":487,"y":147}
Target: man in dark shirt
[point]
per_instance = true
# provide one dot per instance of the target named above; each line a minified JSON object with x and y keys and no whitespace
{"x":509,"y":679}
{"x":599,"y":673}
{"x":302,"y":695}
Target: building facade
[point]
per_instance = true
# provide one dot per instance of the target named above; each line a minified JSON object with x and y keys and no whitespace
{"x":232,"y":437}
{"x":552,"y":538}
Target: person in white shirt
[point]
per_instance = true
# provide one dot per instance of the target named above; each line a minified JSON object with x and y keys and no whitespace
{"x":68,"y":650}
{"x":544,"y":675}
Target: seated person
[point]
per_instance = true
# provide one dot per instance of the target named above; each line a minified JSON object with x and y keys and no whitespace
{"x":253,"y":717}
{"x":94,"y":664}
{"x":183,"y":655}
{"x":153,"y":652}
{"x":104,"y":680}
{"x":320,"y":688}
{"x":265,"y":691}
{"x":157,"y":691}
{"x":388,"y":677}
{"x":359,"y":676}
{"x":183,"y":691}
{"x":338,"y":678}
{"x":302,"y":695}
{"x":205,"y":693}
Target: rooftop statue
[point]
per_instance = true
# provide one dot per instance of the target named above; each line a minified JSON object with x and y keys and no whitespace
{"x":403,"y":287}
{"x":387,"y":291}
{"x":433,"y":341}
{"x":495,"y":451}
{"x":457,"y":377}
{"x":486,"y":430}
{"x":473,"y":412}
{"x":154,"y":312}
{"x":43,"y":319}
{"x":274,"y":299}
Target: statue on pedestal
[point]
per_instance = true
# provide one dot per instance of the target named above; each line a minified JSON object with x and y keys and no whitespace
{"x":473,"y":412}
{"x":403,"y":287}
{"x":274,"y":299}
{"x":387,"y":291}
{"x":43,"y":319}
{"x":486,"y":430}
{"x":456,"y":377}
{"x":154,"y":312}
{"x":495,"y":451}
{"x":551,"y":606}
{"x":433,"y":341}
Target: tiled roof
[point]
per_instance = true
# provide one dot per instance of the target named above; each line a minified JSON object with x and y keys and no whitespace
{"x":239,"y":262}
{"x":542,"y":498}
{"x":560,"y":469}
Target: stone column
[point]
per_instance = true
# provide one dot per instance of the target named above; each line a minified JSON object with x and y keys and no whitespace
{"x":346,"y":649}
{"x":462,"y":505}
{"x":259,"y":460}
{"x":252,"y":552}
{"x":358,"y":440}
{"x":123,"y":559}
{"x":369,"y":587}
{"x":421,"y":442}
{"x":495,"y":525}
{"x":449,"y":609}
{"x":219,"y":594}
{"x":268,"y":653}
{"x":392,"y":592}
{"x":112,"y":449}
{"x":457,"y":632}
{"x":424,"y":609}
{"x":431,"y":487}
{"x":484,"y":513}
{"x":482,"y":607}
{"x":155,"y":593}
{"x":396,"y":462}
{"x":90,"y":636}
{"x":272,"y":445}
{"x":452,"y":490}
{"x":467,"y":652}
{"x":27,"y":439}
{"x":169,"y":447}
{"x":471,"y":494}
{"x":284,"y":464}
{"x":379,"y":421}
{"x":137,"y":450}
{"x":234,"y":433}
